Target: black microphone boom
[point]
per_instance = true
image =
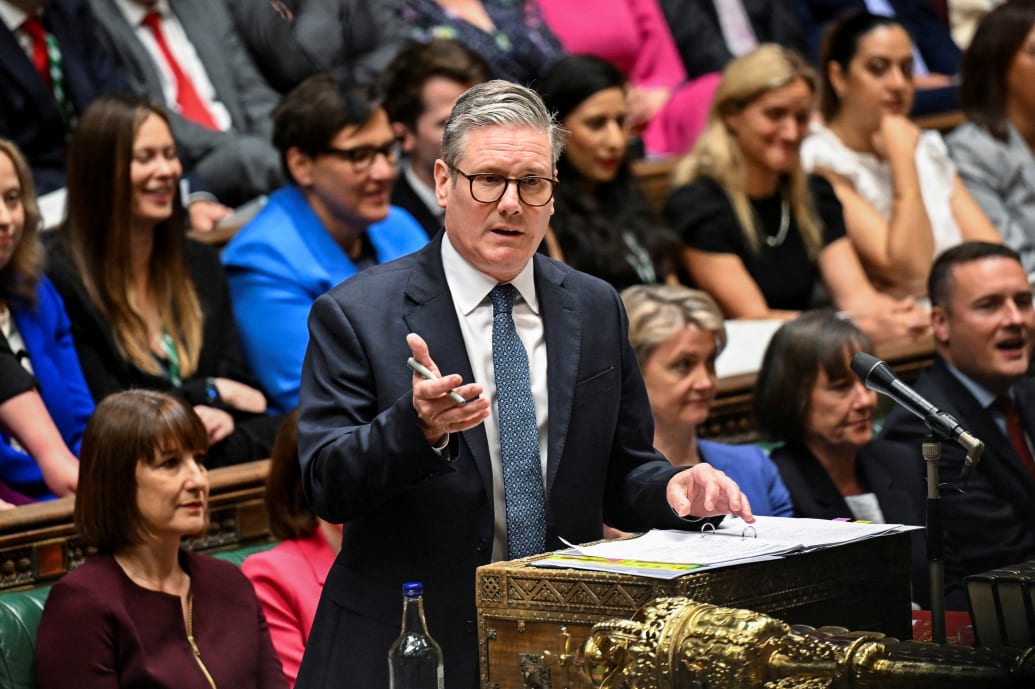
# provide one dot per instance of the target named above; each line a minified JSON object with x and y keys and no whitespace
{"x":878,"y":376}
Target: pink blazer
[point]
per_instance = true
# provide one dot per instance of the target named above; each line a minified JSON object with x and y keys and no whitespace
{"x":288,"y":580}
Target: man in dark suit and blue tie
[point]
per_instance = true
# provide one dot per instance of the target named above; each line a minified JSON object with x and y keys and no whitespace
{"x":422,"y":483}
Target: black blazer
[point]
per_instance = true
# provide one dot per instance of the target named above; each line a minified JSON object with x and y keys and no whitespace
{"x":989,"y":521}
{"x":406,"y":198}
{"x":28,"y":112}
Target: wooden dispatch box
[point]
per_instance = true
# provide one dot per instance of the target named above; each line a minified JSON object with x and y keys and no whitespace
{"x":522,"y":609}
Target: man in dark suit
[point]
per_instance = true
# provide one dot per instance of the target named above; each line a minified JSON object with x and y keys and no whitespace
{"x":984,"y":328}
{"x":700,"y":36}
{"x":30,"y":114}
{"x":421,"y":482}
{"x":421,"y":85}
{"x":229,"y":147}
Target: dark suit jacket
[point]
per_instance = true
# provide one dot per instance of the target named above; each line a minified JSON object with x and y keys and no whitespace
{"x":695,"y":26}
{"x":237,"y":164}
{"x":406,"y":198}
{"x":898,"y":490}
{"x":357,"y":36}
{"x":28,"y":112}
{"x":412,"y":516}
{"x":989,"y":520}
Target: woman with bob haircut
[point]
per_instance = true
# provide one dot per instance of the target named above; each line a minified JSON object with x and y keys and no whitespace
{"x":143,"y":611}
{"x":677,"y":334}
{"x":808,"y":398}
{"x":36,"y":333}
{"x":903,"y":201}
{"x":757,"y":230}
{"x":994,"y":150}
{"x":150,"y":308}
{"x":289,"y":578}
{"x":602,"y":222}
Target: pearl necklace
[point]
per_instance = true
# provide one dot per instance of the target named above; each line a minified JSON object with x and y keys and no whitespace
{"x":785,"y":222}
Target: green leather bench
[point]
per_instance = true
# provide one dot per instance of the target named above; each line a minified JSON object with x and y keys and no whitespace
{"x":20,"y":613}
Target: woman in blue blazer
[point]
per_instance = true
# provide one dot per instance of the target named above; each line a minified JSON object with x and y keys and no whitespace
{"x":37,"y":330}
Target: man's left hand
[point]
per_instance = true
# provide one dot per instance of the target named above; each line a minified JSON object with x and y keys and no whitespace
{"x":704,"y":491}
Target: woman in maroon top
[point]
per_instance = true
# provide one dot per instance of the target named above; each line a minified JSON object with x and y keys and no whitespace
{"x":143,"y":612}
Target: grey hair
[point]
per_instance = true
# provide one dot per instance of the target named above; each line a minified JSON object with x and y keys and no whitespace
{"x":656,"y":312}
{"x":503,"y":103}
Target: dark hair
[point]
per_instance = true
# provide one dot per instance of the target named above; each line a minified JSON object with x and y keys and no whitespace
{"x":575,"y":78}
{"x":127,"y":428}
{"x":983,"y":74}
{"x":940,"y":281}
{"x":21,"y":276}
{"x":589,"y":225}
{"x":404,"y":78}
{"x":286,"y":507}
{"x":98,"y":234}
{"x":313,"y":113}
{"x":815,"y":340}
{"x":840,"y":44}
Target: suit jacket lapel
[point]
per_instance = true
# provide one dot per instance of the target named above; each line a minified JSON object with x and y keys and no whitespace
{"x":1001,"y":465}
{"x":193,"y":19}
{"x":433,"y":317}
{"x":562,"y":329}
{"x":15,"y":62}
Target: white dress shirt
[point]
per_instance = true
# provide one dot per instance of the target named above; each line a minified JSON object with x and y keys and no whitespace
{"x":182,"y":49}
{"x":470,"y":291}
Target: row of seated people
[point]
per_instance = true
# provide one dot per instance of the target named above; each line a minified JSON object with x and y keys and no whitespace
{"x":142,"y":474}
{"x":274,"y":274}
{"x":220,"y":66}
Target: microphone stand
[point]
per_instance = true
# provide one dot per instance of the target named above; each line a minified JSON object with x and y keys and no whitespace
{"x":932,"y":452}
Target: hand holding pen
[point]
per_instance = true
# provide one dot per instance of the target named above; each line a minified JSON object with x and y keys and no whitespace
{"x":443,"y":404}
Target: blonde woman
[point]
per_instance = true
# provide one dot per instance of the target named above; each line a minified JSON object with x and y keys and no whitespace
{"x":759,"y":233}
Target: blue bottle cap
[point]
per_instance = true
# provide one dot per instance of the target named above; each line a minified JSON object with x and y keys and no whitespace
{"x":413,"y":588}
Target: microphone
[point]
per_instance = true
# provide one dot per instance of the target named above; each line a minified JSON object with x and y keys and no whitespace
{"x":878,"y":376}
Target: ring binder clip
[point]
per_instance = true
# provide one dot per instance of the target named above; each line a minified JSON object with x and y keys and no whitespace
{"x":708,"y":528}
{"x":751,"y":528}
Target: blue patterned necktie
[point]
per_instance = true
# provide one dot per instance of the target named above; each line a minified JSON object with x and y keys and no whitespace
{"x":519,"y":437}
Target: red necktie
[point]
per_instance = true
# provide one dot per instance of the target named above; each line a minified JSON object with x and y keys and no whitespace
{"x":191,"y":105}
{"x":1016,"y":432}
{"x":33,"y":28}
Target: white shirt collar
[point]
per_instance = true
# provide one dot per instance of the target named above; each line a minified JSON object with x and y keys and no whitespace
{"x":12,"y":16}
{"x":135,"y":12}
{"x":469,"y":286}
{"x":425,"y":193}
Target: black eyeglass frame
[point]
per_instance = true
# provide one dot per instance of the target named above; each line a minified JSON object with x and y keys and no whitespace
{"x":362,"y":157}
{"x":506,"y":183}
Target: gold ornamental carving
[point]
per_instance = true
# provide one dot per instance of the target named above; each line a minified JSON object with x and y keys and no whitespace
{"x":676,"y":643}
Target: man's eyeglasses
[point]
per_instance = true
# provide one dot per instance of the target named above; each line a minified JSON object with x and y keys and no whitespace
{"x":362,"y":157}
{"x":488,"y":187}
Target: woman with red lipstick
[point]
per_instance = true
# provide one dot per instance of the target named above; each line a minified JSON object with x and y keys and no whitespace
{"x":807,"y":398}
{"x":602,"y":223}
{"x":903,"y":201}
{"x":758,"y":232}
{"x":142,"y":612}
{"x":149,"y":308}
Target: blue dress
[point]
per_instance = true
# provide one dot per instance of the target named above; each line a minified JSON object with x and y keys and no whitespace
{"x":754,"y":472}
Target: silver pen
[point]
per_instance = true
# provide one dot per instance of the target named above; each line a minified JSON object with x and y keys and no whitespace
{"x":423,"y":371}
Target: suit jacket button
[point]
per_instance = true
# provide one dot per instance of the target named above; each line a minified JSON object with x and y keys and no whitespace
{"x":472,"y":627}
{"x":483,"y":547}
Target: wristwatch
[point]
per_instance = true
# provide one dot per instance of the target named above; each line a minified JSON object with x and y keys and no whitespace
{"x":211,"y":391}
